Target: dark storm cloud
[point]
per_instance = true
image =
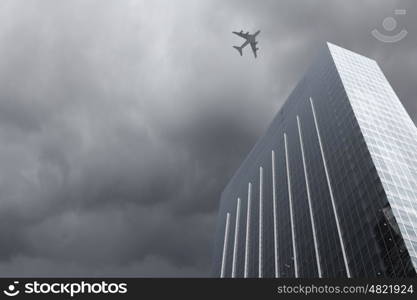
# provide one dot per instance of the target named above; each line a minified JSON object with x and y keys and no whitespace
{"x":122,"y":121}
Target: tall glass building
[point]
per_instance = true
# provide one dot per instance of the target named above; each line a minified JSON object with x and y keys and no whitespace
{"x":330,"y":190}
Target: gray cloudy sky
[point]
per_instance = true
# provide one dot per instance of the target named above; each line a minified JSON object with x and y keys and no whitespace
{"x":122,"y":121}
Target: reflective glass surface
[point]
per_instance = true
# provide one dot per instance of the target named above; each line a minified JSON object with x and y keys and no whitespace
{"x":360,"y":154}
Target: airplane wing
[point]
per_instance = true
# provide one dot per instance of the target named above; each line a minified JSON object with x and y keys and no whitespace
{"x":254,"y":49}
{"x":241,"y":34}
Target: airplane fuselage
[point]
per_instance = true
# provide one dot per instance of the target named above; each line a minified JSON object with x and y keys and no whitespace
{"x":250,"y":40}
{"x":252,"y":37}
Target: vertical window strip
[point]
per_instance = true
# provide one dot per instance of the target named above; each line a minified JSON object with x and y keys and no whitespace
{"x":294,"y":246}
{"x":313,"y":226}
{"x":339,"y":229}
{"x":235,"y":247}
{"x":226,"y":237}
{"x":260,"y":271}
{"x":247,"y":242}
{"x":274,"y":207}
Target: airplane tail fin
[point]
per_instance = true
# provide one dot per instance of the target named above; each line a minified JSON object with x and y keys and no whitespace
{"x":238,"y":49}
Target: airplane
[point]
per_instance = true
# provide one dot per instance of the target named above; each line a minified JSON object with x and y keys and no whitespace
{"x":250,"y":39}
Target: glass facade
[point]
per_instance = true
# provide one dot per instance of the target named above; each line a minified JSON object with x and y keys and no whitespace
{"x":330,"y":190}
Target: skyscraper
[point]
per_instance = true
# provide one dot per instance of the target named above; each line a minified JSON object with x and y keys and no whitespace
{"x":330,"y":190}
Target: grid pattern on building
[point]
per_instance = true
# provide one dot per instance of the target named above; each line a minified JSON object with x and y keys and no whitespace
{"x":390,"y":135}
{"x":314,"y":196}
